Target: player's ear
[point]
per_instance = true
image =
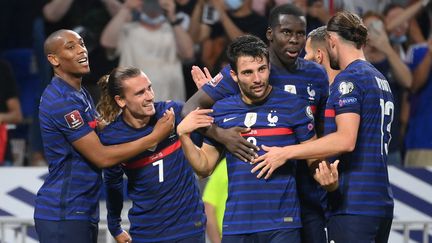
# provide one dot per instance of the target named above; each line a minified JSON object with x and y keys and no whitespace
{"x":234,"y":75}
{"x":52,"y":58}
{"x":319,"y":56}
{"x":269,"y":34}
{"x":120,"y":101}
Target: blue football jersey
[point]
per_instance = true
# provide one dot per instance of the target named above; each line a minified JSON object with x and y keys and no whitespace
{"x":71,"y":190}
{"x":161,"y":184}
{"x":256,"y":205}
{"x":364,"y":187}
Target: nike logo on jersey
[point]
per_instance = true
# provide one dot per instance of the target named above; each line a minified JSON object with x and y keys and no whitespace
{"x":228,"y":119}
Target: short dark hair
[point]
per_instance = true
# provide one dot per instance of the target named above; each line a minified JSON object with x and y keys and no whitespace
{"x":246,"y":45}
{"x":288,"y":9}
{"x":48,"y":48}
{"x":349,"y":26}
{"x":318,"y":35}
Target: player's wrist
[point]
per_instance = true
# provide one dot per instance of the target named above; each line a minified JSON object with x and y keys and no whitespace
{"x":331,"y":188}
{"x":181,"y":131}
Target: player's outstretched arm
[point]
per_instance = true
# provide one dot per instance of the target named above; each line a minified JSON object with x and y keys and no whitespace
{"x":333,"y":144}
{"x":106,"y":156}
{"x":203,"y":160}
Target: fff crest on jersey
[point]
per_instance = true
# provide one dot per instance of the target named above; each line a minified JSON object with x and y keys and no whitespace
{"x":346,"y":88}
{"x":272,"y":119}
{"x":250,"y":119}
{"x":311,"y":92}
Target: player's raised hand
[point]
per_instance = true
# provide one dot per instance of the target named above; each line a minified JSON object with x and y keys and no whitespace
{"x":200,"y":77}
{"x":165,"y":125}
{"x":123,"y":237}
{"x":196,"y":119}
{"x":269,"y":162}
{"x":327,"y":175}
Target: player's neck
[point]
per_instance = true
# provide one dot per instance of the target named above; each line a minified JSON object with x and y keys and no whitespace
{"x":72,"y":80}
{"x":331,"y":73}
{"x":135,"y":122}
{"x":256,"y":101}
{"x":349,"y":54}
{"x":275,"y":60}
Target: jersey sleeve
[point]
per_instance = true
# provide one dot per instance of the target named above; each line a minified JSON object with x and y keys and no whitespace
{"x":221,"y":86}
{"x":113,"y":181}
{"x":72,"y":118}
{"x":347,"y":95}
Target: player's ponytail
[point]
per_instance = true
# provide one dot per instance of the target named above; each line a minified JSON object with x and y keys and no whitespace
{"x":350,"y":27}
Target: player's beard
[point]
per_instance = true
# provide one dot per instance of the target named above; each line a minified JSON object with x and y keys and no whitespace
{"x":257,"y":97}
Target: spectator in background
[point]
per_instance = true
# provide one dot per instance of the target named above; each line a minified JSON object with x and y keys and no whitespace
{"x":17,"y":47}
{"x":403,"y":30}
{"x":184,"y":10}
{"x":402,"y":27}
{"x":216,"y":22}
{"x":144,"y":37}
{"x":423,"y":18}
{"x":10,"y":110}
{"x":361,"y":7}
{"x":381,"y":54}
{"x":418,"y":139}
